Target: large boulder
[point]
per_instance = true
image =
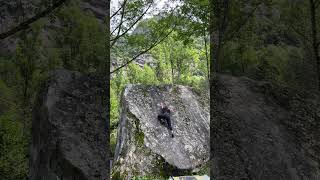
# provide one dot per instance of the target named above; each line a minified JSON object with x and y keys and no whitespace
{"x":261,"y":132}
{"x":69,"y":132}
{"x":145,"y":147}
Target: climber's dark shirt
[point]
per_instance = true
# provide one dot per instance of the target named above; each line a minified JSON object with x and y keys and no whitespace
{"x":165,"y":110}
{"x":165,"y":115}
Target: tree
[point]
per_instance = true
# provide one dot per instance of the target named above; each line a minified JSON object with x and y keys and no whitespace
{"x":28,"y":60}
{"x":301,"y":17}
{"x":194,"y":22}
{"x":227,"y":19}
{"x":130,"y":16}
{"x":107,"y":85}
{"x":313,"y":5}
{"x":80,"y":40}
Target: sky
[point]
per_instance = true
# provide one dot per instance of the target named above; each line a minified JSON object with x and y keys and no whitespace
{"x":157,"y":6}
{"x":159,"y":3}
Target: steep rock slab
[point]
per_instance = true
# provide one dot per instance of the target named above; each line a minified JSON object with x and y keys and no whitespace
{"x":69,"y":138}
{"x":145,"y":147}
{"x":254,"y":134}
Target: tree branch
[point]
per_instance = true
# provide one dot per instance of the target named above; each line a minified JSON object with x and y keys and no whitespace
{"x":299,"y":33}
{"x":242,"y":23}
{"x":140,"y":17}
{"x":25,"y":24}
{"x":115,"y":13}
{"x":121,"y":20}
{"x":142,"y":52}
{"x":224,"y":23}
{"x":125,"y":20}
{"x":317,"y":3}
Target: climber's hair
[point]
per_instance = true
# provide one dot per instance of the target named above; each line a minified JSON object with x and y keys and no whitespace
{"x":163,"y":104}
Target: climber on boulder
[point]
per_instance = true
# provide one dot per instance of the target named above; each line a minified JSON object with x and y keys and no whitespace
{"x":164,"y":116}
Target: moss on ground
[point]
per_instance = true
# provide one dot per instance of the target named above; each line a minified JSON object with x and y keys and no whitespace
{"x":116,"y":176}
{"x":165,"y":170}
{"x":139,"y":138}
{"x":203,"y":170}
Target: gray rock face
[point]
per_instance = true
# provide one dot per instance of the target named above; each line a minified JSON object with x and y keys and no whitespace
{"x":255,"y":136}
{"x":145,"y":147}
{"x":97,"y":7}
{"x":69,"y":138}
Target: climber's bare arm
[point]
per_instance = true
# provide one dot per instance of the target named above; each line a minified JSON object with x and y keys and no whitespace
{"x":171,"y":109}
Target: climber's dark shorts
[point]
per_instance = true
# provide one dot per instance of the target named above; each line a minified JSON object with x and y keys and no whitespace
{"x":166,"y":117}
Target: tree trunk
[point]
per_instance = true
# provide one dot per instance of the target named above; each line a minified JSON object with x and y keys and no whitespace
{"x":206,"y":51}
{"x":25,"y":101}
{"x":241,"y":49}
{"x":315,"y":38}
{"x":171,"y":62}
{"x":211,"y":40}
{"x":222,"y":9}
{"x":179,"y":70}
{"x":211,"y":80}
{"x":217,"y":53}
{"x":108,"y":74}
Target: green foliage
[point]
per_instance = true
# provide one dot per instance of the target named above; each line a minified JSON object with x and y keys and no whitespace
{"x":28,"y":61}
{"x":6,"y":98}
{"x":192,"y":81}
{"x":139,"y":137}
{"x":13,"y":160}
{"x":280,"y":64}
{"x":114,"y":113}
{"x":81,"y":40}
{"x":176,"y":60}
{"x":117,"y":176}
{"x":145,"y":75}
{"x":204,"y":170}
